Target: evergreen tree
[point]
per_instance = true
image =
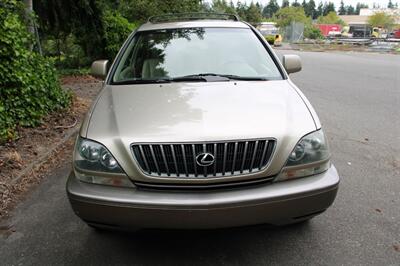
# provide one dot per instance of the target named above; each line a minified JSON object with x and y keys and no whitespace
{"x":350,"y":10}
{"x":358,"y":8}
{"x":320,"y":9}
{"x":222,"y":6}
{"x":270,"y":9}
{"x":304,"y":4}
{"x":328,"y":7}
{"x":310,"y":10}
{"x":390,"y":4}
{"x":285,"y":3}
{"x":296,"y":4}
{"x":241,"y":10}
{"x":253,"y":14}
{"x":342,"y":9}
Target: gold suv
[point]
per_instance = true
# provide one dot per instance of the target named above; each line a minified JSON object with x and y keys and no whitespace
{"x":199,"y":126}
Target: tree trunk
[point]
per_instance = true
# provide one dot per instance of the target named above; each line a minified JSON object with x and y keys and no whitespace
{"x":29,"y":10}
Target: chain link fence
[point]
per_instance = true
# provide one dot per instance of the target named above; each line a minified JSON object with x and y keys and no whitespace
{"x":293,"y":33}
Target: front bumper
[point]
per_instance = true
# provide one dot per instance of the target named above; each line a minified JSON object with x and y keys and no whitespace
{"x":276,"y":203}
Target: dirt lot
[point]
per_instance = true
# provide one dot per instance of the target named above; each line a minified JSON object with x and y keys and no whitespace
{"x":26,"y":160}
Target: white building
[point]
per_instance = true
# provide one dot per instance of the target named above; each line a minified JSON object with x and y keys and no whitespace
{"x":366,"y":12}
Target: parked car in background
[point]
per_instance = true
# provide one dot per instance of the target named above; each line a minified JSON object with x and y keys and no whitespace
{"x":199,"y":126}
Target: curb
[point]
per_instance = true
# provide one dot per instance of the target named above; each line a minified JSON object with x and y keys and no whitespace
{"x":43,"y":158}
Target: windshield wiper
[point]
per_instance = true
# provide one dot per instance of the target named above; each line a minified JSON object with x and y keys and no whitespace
{"x":161,"y":80}
{"x":235,"y":77}
{"x":217,"y":77}
{"x":203,"y":77}
{"x":141,"y":81}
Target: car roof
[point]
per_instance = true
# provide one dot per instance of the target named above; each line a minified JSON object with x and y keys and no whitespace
{"x":193,"y":24}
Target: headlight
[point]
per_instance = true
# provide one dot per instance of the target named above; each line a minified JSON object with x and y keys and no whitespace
{"x":309,"y":157}
{"x":95,"y":164}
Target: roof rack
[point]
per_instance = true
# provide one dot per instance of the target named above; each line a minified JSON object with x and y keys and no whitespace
{"x":192,"y":16}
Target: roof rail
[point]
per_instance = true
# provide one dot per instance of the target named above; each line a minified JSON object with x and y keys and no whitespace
{"x":192,"y":16}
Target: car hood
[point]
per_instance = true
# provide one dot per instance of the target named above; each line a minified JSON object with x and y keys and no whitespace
{"x":213,"y":111}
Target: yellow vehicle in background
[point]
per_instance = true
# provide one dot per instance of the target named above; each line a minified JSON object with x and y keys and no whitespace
{"x":378,"y":32}
{"x":270,"y":33}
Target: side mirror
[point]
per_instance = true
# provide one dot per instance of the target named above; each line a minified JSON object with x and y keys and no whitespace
{"x":292,"y":63}
{"x":99,"y":69}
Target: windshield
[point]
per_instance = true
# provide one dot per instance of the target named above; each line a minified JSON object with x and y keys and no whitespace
{"x":173,"y":53}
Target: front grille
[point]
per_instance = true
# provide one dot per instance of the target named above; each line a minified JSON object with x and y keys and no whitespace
{"x":179,"y":159}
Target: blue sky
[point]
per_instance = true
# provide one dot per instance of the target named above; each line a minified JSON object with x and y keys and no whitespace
{"x":382,"y":3}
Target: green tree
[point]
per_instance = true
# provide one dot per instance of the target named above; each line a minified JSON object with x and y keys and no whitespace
{"x":241,"y":10}
{"x":222,"y":6}
{"x":285,"y":16}
{"x":205,"y":7}
{"x":270,"y":9}
{"x":296,"y":4}
{"x":60,"y":18}
{"x":141,"y":10}
{"x":304,"y":4}
{"x":381,"y":19}
{"x":358,"y":8}
{"x":328,"y":7}
{"x":116,"y":30}
{"x":342,"y":9}
{"x":309,"y":9}
{"x":390,"y":5}
{"x":253,"y":14}
{"x":350,"y":10}
{"x":320,"y":10}
{"x":330,"y":18}
{"x":285,"y":3}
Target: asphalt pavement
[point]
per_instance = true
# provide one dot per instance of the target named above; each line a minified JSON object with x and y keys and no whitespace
{"x":357,"y":97}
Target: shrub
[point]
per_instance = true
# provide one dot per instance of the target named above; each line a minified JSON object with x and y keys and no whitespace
{"x":65,"y":52}
{"x":116,"y":30}
{"x":270,"y":39}
{"x":29,"y":87}
{"x":312,"y":32}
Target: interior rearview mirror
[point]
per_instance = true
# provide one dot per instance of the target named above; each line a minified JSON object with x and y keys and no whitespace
{"x":99,"y":69}
{"x":292,"y":63}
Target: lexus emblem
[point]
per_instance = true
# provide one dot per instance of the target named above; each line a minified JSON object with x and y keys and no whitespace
{"x":205,"y":159}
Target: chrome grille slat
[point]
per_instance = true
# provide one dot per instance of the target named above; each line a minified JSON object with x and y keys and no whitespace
{"x":154,"y":159}
{"x":244,"y":156}
{"x":224,"y":162}
{"x":215,"y":162}
{"x":263,"y":154}
{"x":253,"y":157}
{"x":234,"y":158}
{"x":174,"y":158}
{"x":194,"y":160}
{"x":179,"y":159}
{"x":164,"y":159}
{"x":144,"y":159}
{"x":184,"y":160}
{"x":205,"y":167}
